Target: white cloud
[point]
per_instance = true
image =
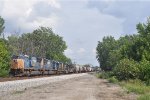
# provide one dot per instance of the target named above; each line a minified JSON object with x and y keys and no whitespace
{"x":81,"y":50}
{"x":51,"y":21}
{"x":16,"y":8}
{"x":20,"y":11}
{"x":28,"y":12}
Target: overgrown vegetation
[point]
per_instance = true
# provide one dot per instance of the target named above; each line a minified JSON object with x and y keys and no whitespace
{"x":144,"y":97}
{"x":133,"y":85}
{"x":128,"y":59}
{"x":126,"y":69}
{"x":136,"y":86}
{"x":113,"y":79}
{"x":139,"y":87}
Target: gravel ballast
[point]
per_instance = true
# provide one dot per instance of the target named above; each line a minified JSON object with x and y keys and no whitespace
{"x":23,"y":84}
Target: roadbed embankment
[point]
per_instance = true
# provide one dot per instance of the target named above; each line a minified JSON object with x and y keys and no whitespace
{"x":24,"y":84}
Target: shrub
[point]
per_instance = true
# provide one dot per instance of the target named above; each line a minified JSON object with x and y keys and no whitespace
{"x":4,"y":59}
{"x":144,"y":68}
{"x":104,"y":75}
{"x":4,"y":73}
{"x":126,"y":69}
{"x":136,"y":82}
{"x":148,"y":82}
{"x":113,"y":80}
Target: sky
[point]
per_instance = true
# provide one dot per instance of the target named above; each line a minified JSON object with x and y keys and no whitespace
{"x":81,"y":23}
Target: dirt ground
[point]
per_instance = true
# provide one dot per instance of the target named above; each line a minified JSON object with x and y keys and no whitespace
{"x":87,"y":87}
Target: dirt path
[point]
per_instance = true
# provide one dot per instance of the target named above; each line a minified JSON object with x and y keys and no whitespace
{"x":86,"y":87}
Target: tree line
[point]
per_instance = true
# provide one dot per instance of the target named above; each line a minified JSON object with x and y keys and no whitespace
{"x":127,"y":57}
{"x":42,"y":42}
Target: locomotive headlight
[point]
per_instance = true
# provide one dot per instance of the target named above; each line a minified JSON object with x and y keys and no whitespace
{"x":15,"y":60}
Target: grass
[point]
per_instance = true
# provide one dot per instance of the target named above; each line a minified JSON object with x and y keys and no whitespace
{"x":113,"y":80}
{"x":104,"y":75}
{"x":136,"y":86}
{"x":144,"y":97}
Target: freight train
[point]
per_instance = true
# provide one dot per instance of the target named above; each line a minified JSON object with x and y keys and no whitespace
{"x":25,"y":65}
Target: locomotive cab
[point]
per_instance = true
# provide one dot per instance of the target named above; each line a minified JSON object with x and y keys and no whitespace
{"x":17,"y":66}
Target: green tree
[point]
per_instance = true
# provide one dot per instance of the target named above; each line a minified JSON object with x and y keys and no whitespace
{"x":1,"y":25}
{"x":13,"y":44}
{"x":143,"y":44}
{"x":111,"y":51}
{"x":42,"y":42}
{"x":103,"y":52}
{"x":129,"y":56}
{"x":4,"y":56}
{"x":4,"y":60}
{"x":48,"y":44}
